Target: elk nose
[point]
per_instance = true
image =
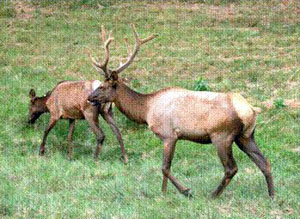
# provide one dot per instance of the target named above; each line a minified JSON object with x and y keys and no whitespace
{"x":90,"y":98}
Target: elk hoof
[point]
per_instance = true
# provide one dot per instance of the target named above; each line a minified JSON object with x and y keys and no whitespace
{"x":42,"y":152}
{"x":125,"y":160}
{"x":70,"y":157}
{"x":187,"y":193}
{"x":214,"y":195}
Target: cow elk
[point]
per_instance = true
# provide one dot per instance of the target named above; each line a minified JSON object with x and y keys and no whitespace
{"x":175,"y":113}
{"x":68,"y":100}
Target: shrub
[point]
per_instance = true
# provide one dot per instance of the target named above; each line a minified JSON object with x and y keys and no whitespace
{"x":202,"y":85}
{"x":279,"y":103}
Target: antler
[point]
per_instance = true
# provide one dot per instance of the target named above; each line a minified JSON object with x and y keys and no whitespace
{"x":138,"y":43}
{"x":103,"y":67}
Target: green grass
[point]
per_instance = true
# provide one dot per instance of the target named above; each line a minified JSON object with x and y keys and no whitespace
{"x":237,"y":46}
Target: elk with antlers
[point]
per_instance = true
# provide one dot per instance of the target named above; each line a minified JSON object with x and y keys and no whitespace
{"x":176,"y":113}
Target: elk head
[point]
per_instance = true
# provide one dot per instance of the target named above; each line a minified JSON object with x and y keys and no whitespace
{"x":37,"y":106}
{"x":106,"y":92}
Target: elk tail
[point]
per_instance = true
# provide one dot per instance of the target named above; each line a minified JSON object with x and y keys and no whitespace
{"x":257,"y":110}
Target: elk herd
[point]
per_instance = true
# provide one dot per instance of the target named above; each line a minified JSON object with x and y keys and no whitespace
{"x":172,"y":114}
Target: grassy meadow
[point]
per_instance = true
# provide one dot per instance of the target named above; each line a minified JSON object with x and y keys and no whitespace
{"x":249,"y":47}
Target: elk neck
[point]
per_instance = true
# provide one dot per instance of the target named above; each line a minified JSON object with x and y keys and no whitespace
{"x":134,"y":105}
{"x":43,"y":101}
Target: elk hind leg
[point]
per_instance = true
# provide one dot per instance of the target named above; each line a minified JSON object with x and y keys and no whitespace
{"x":249,"y":146}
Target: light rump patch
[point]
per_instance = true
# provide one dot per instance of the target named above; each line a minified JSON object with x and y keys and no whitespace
{"x":95,"y":84}
{"x":245,"y":112}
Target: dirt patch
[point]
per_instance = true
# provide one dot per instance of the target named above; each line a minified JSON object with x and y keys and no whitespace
{"x":222,"y":12}
{"x":296,"y":150}
{"x":49,"y":11}
{"x":225,"y":210}
{"x":249,"y":170}
{"x":24,"y":10}
{"x":291,"y":103}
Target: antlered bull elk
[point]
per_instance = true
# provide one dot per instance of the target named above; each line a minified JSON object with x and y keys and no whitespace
{"x":68,"y":100}
{"x":175,"y":113}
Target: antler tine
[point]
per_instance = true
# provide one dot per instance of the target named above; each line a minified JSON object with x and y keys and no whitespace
{"x":142,"y":41}
{"x":138,"y":43}
{"x":136,"y":36}
{"x":148,"y":38}
{"x":106,"y":47}
{"x":91,"y":58}
{"x":96,"y":64}
{"x":102,"y":68}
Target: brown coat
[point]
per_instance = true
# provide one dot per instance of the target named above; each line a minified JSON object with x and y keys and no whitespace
{"x":68,"y":100}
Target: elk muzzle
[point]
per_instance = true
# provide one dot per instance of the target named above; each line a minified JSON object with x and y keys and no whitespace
{"x":92,"y":100}
{"x":96,"y":98}
{"x":33,"y":117}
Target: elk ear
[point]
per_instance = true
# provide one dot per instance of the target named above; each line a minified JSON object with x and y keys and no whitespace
{"x":32,"y":93}
{"x":112,"y":83}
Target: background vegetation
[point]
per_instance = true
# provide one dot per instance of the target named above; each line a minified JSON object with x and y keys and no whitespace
{"x":250,"y":47}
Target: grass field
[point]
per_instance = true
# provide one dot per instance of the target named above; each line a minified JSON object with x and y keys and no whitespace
{"x":237,"y":46}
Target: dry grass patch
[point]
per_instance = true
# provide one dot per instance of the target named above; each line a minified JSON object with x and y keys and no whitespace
{"x":24,"y":10}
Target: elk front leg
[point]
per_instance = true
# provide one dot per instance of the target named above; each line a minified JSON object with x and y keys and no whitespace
{"x":109,"y":118}
{"x":50,"y":126}
{"x":70,"y":136}
{"x":94,"y":124}
{"x":224,"y":149}
{"x":168,"y":154}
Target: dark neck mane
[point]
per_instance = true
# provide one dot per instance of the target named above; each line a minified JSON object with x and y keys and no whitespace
{"x":134,"y":105}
